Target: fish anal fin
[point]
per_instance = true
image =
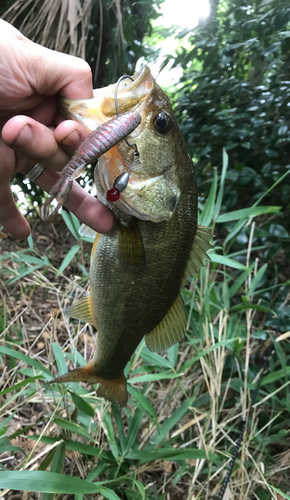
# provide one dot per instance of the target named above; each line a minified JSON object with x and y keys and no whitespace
{"x":131,"y":249}
{"x":200,"y":247}
{"x":113,"y":390}
{"x":82,"y":310}
{"x":170,"y":330}
{"x":83,"y":374}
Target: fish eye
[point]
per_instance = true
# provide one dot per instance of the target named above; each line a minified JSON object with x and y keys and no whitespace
{"x":162,"y":123}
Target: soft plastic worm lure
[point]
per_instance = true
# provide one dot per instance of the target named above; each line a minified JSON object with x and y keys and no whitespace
{"x":97,"y":143}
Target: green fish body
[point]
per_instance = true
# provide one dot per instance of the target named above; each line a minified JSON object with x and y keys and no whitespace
{"x":139,"y":268}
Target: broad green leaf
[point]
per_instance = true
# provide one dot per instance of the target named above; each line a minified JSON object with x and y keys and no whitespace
{"x":58,"y":459}
{"x":22,"y":357}
{"x":154,"y":358}
{"x":97,"y":471}
{"x":247,"y":305}
{"x":247,"y":213}
{"x":169,"y":423}
{"x":72,"y":427}
{"x":280,"y":492}
{"x":227,"y":261}
{"x":256,"y":279}
{"x":82,"y":405}
{"x":133,"y":430}
{"x":173,"y":354}
{"x":143,"y":402}
{"x":111,"y":436}
{"x":24,"y":271}
{"x":47,"y":482}
{"x":68,"y":258}
{"x":274,"y":376}
{"x":30,"y":242}
{"x":5,"y":445}
{"x":120,"y":426}
{"x":84,"y":449}
{"x":30,"y":259}
{"x":151,"y":377}
{"x":111,"y":495}
{"x":6,"y":421}
{"x":222,"y":184}
{"x":59,"y":358}
{"x":207,"y":214}
{"x":203,"y":353}
{"x":20,"y":384}
{"x":72,"y":223}
{"x":57,"y":465}
{"x":169,"y":453}
{"x":238,"y":282}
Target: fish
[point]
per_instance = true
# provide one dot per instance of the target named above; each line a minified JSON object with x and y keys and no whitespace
{"x":138,"y":268}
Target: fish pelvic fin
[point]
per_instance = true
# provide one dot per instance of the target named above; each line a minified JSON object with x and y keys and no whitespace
{"x":82,"y":309}
{"x":113,"y":390}
{"x":198,"y":253}
{"x":170,"y":330}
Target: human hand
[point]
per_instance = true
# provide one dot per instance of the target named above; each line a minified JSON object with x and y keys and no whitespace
{"x":32,"y":128}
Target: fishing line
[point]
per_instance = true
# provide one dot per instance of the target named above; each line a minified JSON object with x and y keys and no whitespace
{"x":240,"y":438}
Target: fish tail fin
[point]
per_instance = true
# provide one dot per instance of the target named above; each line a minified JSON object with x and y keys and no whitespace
{"x":114,"y":390}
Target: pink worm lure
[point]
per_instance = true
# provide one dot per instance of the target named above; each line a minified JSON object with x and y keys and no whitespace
{"x":97,"y":143}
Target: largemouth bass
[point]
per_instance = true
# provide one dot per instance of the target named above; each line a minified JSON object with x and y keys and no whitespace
{"x":139,"y":268}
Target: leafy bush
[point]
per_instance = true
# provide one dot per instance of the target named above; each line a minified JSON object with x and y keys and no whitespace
{"x":235,"y":92}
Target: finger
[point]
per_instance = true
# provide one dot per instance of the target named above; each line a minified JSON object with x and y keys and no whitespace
{"x":10,"y":217}
{"x":70,"y":134}
{"x":85,"y":207}
{"x":52,"y":72}
{"x":37,"y":142}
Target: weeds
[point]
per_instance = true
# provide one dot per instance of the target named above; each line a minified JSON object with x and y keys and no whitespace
{"x":176,"y":436}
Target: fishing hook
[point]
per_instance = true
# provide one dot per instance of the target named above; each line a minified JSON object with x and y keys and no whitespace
{"x":121,"y":182}
{"x":134,"y":145}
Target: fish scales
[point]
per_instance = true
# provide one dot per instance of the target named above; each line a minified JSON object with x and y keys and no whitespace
{"x":138,"y":268}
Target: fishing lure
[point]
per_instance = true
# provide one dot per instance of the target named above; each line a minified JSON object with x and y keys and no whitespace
{"x":97,"y":143}
{"x":121,"y":182}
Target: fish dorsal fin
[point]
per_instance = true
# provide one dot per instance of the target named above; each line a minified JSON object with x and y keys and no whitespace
{"x":81,"y":310}
{"x":170,"y":330}
{"x":87,"y":231}
{"x":131,"y":249}
{"x":199,"y":252}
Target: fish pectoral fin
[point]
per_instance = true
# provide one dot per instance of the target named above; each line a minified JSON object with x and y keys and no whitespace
{"x":131,"y":249}
{"x":170,"y":330}
{"x":87,"y":231}
{"x":81,"y":310}
{"x":200,"y":247}
{"x":114,"y":390}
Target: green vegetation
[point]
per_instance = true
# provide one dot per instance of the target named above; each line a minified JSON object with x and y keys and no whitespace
{"x":184,"y":412}
{"x":176,"y":436}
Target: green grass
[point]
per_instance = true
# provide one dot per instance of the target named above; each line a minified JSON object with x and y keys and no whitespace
{"x":176,"y":436}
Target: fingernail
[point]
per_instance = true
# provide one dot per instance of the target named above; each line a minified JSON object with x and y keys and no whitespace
{"x":72,"y":140}
{"x":24,"y":137}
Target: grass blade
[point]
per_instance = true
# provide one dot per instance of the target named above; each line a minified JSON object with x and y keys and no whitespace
{"x":68,"y":258}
